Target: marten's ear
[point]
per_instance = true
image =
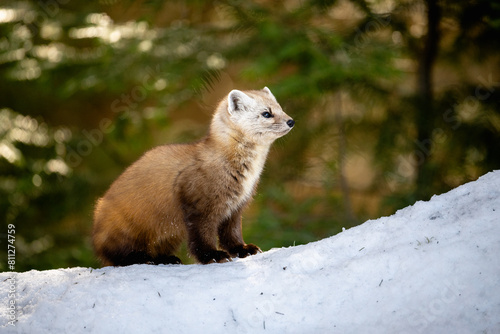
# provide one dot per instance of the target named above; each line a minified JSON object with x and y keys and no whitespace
{"x":268,"y":91}
{"x":237,"y":101}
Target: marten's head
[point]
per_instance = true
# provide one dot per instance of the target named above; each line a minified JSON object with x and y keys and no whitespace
{"x":256,"y":115}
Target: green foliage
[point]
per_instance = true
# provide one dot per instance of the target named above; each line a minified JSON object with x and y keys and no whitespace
{"x":282,"y":221}
{"x":35,"y":181}
{"x":87,"y":87}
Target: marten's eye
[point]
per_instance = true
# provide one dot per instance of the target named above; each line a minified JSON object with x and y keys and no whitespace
{"x":267,"y":114}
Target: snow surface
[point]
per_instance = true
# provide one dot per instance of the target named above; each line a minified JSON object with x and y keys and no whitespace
{"x":433,"y":267}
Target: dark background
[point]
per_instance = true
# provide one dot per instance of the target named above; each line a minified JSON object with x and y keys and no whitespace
{"x":394,"y":101}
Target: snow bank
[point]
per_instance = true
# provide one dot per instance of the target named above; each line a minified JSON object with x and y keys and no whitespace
{"x":432,"y":267}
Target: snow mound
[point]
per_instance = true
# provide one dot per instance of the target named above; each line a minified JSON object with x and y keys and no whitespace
{"x":430,"y":268}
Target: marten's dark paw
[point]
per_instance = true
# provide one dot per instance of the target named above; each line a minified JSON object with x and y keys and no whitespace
{"x":214,"y":256}
{"x":245,"y":250}
{"x":167,"y":259}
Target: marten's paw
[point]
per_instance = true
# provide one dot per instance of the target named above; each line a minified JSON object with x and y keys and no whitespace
{"x":245,"y":250}
{"x":167,"y":259}
{"x":214,"y":256}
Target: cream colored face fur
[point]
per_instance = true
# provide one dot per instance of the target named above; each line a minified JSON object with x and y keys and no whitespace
{"x":258,"y":115}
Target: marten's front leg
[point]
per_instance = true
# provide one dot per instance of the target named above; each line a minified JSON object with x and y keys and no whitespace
{"x":202,"y":239}
{"x":201,"y":225}
{"x":204,"y":249}
{"x":231,"y":238}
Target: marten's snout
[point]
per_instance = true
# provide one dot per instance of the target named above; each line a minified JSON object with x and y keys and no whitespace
{"x":290,"y":123}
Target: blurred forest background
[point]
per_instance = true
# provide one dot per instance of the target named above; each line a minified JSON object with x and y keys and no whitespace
{"x":394,"y":101}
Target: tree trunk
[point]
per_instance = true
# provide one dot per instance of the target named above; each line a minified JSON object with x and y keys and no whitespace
{"x":344,"y":187}
{"x":425,"y":112}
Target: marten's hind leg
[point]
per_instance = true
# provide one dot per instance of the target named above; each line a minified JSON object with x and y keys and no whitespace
{"x":121,"y":250}
{"x":124,"y":257}
{"x":138,"y":257}
{"x":163,"y":249}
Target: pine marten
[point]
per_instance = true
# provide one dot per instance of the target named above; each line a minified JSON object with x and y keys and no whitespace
{"x":196,"y":190}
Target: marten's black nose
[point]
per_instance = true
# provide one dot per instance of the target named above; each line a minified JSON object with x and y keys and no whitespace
{"x":290,"y":123}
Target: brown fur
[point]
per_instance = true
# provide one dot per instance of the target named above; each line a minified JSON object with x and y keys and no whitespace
{"x":195,"y":191}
